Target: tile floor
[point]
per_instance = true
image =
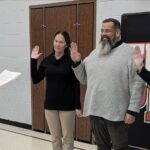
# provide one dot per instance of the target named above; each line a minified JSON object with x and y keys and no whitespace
{"x":15,"y":138}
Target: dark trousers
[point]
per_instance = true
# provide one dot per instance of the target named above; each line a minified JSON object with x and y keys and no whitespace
{"x":109,"y":134}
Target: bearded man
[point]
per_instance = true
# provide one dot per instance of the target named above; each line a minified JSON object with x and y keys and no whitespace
{"x":114,"y":89}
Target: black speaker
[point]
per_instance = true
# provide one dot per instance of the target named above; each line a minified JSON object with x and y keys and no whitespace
{"x":135,"y":27}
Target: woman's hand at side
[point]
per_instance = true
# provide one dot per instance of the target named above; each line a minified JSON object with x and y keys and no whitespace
{"x":78,"y":113}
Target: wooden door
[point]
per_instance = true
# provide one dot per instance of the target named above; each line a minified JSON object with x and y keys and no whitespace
{"x":37,"y":37}
{"x":45,"y":22}
{"x":86,"y":43}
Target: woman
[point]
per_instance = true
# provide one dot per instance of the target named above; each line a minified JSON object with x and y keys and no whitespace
{"x":141,"y":70}
{"x":62,"y":90}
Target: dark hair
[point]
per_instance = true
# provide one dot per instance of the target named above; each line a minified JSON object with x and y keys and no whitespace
{"x":67,"y":40}
{"x":115,"y":21}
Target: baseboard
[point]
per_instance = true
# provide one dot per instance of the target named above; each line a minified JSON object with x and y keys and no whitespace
{"x":17,"y":124}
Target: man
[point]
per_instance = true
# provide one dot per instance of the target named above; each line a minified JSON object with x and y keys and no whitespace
{"x":114,"y":90}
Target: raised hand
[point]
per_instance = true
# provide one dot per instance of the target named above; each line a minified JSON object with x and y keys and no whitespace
{"x":35,"y":52}
{"x":138,"y":58}
{"x":75,"y":55}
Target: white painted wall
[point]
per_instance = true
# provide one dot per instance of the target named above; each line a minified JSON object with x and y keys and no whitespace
{"x":15,"y":97}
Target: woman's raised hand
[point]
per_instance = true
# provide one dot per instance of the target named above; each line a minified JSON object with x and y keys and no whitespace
{"x":75,"y":55}
{"x":35,"y":52}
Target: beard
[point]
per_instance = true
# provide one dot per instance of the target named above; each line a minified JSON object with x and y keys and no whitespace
{"x":105,"y":46}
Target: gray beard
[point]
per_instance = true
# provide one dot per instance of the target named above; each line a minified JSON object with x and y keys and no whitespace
{"x":104,"y":47}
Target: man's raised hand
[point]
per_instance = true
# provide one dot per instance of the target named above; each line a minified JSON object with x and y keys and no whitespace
{"x":75,"y":55}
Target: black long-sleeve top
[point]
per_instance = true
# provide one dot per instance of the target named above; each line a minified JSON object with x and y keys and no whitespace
{"x":62,"y":87}
{"x":145,"y":75}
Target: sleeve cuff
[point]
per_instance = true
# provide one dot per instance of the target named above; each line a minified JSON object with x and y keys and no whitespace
{"x":33,"y":61}
{"x":74,"y":65}
{"x":132,"y":113}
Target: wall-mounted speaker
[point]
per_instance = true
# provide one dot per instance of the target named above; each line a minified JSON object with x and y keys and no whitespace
{"x":135,"y":27}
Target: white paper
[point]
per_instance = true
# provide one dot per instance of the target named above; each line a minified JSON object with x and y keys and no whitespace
{"x":7,"y":76}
